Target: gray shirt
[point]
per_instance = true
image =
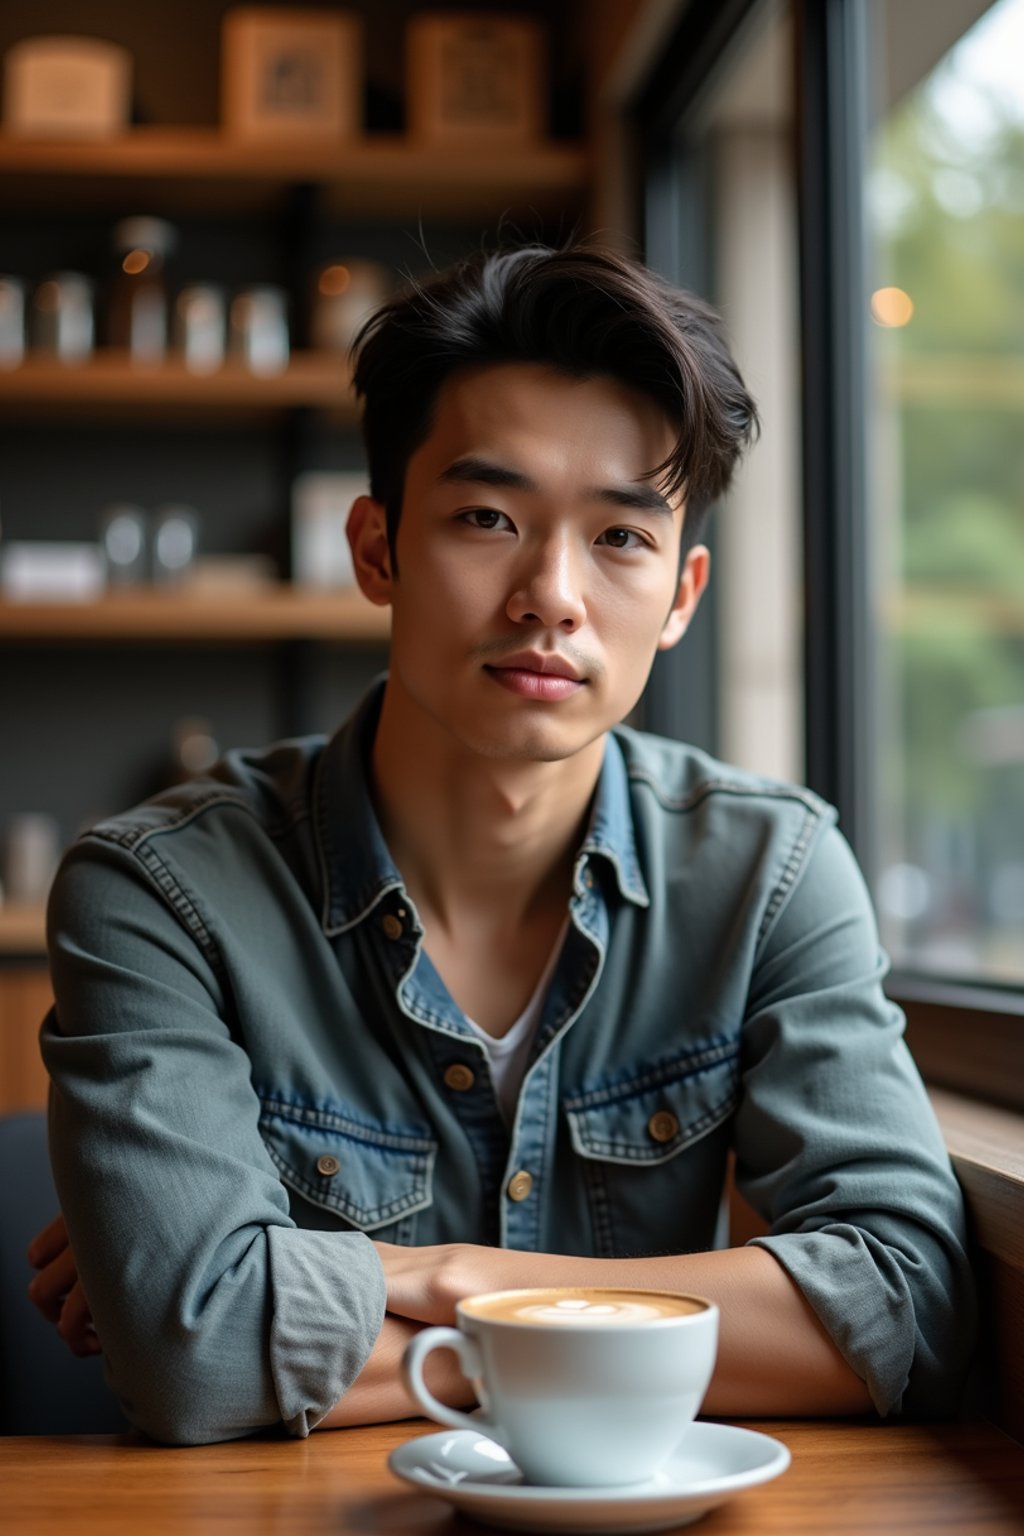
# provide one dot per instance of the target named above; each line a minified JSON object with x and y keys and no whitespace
{"x":256,"y":1069}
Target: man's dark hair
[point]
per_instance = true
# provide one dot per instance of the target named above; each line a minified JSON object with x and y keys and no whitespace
{"x":581,"y":309}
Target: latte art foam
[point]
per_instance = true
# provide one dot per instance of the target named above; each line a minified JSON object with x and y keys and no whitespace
{"x":573,"y":1309}
{"x":581,"y":1308}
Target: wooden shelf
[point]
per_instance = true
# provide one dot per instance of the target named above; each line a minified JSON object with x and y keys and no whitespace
{"x":278,"y":613}
{"x":22,"y":930}
{"x":111,"y":379}
{"x":203,"y":168}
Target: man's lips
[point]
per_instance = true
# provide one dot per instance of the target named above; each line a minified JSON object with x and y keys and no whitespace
{"x":549,"y":663}
{"x":541,"y":676}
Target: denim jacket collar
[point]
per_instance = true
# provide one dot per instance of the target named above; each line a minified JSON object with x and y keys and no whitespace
{"x":610,"y":835}
{"x":356,"y":866}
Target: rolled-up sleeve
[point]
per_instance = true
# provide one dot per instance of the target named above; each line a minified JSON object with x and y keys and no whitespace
{"x":218,"y":1316}
{"x":838,"y":1149}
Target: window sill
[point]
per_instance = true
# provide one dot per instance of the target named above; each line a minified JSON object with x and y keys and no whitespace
{"x":987,"y":1148}
{"x":967,"y":1040}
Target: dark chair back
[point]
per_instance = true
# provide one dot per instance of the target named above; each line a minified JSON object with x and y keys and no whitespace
{"x":44,"y":1388}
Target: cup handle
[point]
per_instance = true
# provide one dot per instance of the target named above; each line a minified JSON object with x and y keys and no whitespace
{"x":416,"y":1352}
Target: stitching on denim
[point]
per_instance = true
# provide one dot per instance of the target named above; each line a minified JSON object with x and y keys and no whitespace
{"x":417,"y":1199}
{"x":536,"y":1201}
{"x":658,"y":1075}
{"x":345,"y":1125}
{"x":589,"y":1145}
{"x":434,"y":1020}
{"x":316,"y":799}
{"x":131,"y":835}
{"x":183,"y":905}
{"x":787,"y":878}
{"x":600,"y":1208}
{"x":758,"y":791}
{"x":365,"y":903}
{"x":368,"y":902}
{"x":629,"y":879}
{"x":577,"y":999}
{"x":422,"y":1015}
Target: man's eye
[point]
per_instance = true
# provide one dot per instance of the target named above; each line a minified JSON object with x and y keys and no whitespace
{"x":622,"y":538}
{"x":485,"y":517}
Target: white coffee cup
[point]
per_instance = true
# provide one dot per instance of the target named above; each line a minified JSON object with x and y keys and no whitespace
{"x":582,"y":1386}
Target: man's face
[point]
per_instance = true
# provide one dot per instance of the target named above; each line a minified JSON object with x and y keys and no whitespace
{"x":537,"y":567}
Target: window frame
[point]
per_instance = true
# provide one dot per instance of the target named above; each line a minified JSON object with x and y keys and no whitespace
{"x":965,"y":1034}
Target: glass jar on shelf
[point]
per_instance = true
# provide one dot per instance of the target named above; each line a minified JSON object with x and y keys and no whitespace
{"x":174,"y":545}
{"x":137,"y":317}
{"x":345,"y":294}
{"x":12,"y":321}
{"x":258,"y":329}
{"x":200,"y":327}
{"x":62,"y":320}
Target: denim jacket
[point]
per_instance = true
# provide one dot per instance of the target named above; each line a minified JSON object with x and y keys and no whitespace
{"x":252,"y":1061}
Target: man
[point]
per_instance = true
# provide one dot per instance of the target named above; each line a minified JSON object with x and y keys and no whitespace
{"x":482,"y":992}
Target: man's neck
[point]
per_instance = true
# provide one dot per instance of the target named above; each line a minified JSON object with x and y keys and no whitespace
{"x":490,"y":838}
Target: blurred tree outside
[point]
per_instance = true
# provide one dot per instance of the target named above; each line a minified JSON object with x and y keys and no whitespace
{"x":946,"y":211}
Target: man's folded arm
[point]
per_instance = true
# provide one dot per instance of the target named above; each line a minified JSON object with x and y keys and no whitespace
{"x":218,"y":1315}
{"x":839,"y":1151}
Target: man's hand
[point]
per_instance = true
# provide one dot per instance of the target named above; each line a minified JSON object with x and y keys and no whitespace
{"x":425,"y":1283}
{"x":57,"y":1290}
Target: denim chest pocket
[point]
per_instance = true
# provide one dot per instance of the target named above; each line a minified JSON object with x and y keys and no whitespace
{"x":629,"y":1134}
{"x":370,"y":1177}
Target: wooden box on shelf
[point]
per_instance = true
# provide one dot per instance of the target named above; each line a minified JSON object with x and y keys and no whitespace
{"x":475,"y":79}
{"x":291,"y":74}
{"x":67,"y":88}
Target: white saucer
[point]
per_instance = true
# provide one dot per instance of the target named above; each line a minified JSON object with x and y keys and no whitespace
{"x":713,"y":1462}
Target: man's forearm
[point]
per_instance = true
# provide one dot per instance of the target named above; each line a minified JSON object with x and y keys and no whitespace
{"x":774,"y":1356}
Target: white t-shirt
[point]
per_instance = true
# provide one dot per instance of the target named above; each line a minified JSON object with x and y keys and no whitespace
{"x":507,"y":1055}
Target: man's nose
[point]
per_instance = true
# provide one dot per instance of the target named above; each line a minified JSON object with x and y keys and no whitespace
{"x":549,"y":587}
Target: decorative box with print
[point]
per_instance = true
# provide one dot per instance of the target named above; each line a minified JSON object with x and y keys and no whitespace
{"x":67,"y":87}
{"x":286,"y":74}
{"x":473,"y":79}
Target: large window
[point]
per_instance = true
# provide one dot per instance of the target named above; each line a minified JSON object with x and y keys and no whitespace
{"x":944,"y":212}
{"x":845,"y":178}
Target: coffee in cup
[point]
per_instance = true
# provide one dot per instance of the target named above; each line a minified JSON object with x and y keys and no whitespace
{"x":583,"y":1386}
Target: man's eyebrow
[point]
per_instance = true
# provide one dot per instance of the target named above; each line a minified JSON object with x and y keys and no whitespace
{"x":473,"y":471}
{"x":476,"y":471}
{"x":642,"y":498}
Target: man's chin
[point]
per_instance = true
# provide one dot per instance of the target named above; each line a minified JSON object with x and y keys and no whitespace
{"x":532,"y":744}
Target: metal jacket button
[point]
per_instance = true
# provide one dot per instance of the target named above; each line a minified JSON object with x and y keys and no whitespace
{"x":459,"y":1078}
{"x":327,"y":1165}
{"x":392,"y":926}
{"x":519,"y":1185}
{"x":663,"y":1126}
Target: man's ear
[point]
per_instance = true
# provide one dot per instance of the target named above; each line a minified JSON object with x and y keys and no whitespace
{"x":696,"y":570}
{"x":367,"y":530}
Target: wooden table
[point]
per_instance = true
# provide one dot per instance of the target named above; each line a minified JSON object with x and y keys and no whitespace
{"x":857,"y":1479}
